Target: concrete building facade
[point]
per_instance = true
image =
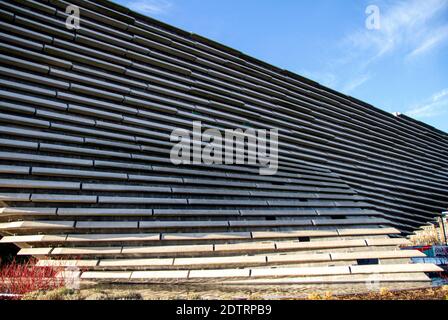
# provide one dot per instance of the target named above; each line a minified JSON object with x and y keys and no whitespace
{"x":86,"y":117}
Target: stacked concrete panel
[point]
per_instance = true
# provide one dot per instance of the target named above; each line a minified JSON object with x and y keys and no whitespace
{"x":86,"y":178}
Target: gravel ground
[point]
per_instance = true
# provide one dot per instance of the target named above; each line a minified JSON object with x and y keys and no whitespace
{"x":207,"y":293}
{"x":440,"y":293}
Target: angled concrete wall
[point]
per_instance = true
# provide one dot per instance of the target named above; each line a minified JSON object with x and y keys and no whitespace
{"x":85,"y":123}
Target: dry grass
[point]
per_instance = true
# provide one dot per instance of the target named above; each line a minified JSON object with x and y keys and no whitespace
{"x":57,"y":294}
{"x":318,"y":296}
{"x":440,"y":293}
{"x":71,"y":294}
{"x":429,"y":235}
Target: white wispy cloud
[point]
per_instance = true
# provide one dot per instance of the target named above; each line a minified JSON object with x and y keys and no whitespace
{"x":328,"y":79}
{"x":436,"y":105}
{"x":150,"y":7}
{"x":412,"y":26}
{"x":408,"y":29}
{"x":331,"y":80}
{"x":355,"y":83}
{"x":439,"y":36}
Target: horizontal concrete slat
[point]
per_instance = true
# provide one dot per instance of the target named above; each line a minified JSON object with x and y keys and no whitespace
{"x":18,"y":225}
{"x":392,"y":254}
{"x":304,"y":271}
{"x":63,"y":198}
{"x":293,"y":234}
{"x":158,"y":250}
{"x":16,"y":197}
{"x":141,"y":200}
{"x":45,"y":159}
{"x":33,"y":239}
{"x":76,"y":173}
{"x":112,"y":237}
{"x":37,"y":184}
{"x":14,"y":169}
{"x":398,"y":268}
{"x":106,"y":225}
{"x":207,"y":236}
{"x":104,"y":212}
{"x":28,"y":211}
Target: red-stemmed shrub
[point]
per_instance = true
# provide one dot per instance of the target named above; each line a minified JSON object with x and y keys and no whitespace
{"x":17,"y":279}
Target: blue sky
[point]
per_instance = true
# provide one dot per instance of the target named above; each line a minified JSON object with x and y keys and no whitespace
{"x":400,"y":67}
